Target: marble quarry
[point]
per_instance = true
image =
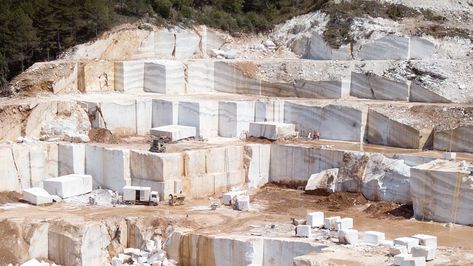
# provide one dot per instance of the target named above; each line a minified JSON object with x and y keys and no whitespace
{"x":239,"y":119}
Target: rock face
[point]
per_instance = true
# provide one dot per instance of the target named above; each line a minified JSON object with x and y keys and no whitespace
{"x":374,"y":175}
{"x":371,"y":86}
{"x":459,"y":139}
{"x":323,"y":180}
{"x":193,"y":249}
{"x":336,"y":122}
{"x":386,"y":131}
{"x":387,"y":48}
{"x":442,"y":191}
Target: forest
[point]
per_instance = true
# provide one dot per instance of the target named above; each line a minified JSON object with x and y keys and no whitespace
{"x":40,"y":30}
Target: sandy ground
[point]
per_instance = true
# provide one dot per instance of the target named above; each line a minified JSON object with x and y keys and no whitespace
{"x":270,"y":204}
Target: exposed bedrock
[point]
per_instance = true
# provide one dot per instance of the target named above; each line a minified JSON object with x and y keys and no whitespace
{"x":459,"y":139}
{"x":372,"y":86}
{"x":443,"y":191}
{"x":336,"y":122}
{"x":374,"y":175}
{"x":53,"y":120}
{"x":383,"y":130}
{"x":193,"y":249}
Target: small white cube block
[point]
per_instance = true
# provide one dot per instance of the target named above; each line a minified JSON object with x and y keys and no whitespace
{"x":315,"y":219}
{"x":243,"y":202}
{"x":422,"y":251}
{"x":348,"y":236}
{"x":303,"y":231}
{"x":373,"y":237}
{"x":409,"y":242}
{"x":230,"y":195}
{"x":414,"y":261}
{"x":426,"y":240}
{"x":398,"y":259}
{"x":271,"y":130}
{"x":344,"y":223}
{"x":387,"y":243}
{"x":173,"y":132}
{"x":331,"y":222}
{"x":396,"y":250}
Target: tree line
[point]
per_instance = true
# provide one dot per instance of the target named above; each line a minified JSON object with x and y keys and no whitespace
{"x":40,"y":30}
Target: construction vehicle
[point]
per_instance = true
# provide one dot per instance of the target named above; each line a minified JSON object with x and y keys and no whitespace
{"x":140,"y":195}
{"x":176,"y":199}
{"x":158,"y":145}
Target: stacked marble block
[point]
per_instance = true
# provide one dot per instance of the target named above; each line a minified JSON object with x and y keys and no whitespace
{"x":195,"y":172}
{"x":109,"y":167}
{"x":415,"y":250}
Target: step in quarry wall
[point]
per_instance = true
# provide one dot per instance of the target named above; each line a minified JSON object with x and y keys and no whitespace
{"x":134,"y":118}
{"x":194,"y":249}
{"x":443,"y":191}
{"x":459,"y":139}
{"x":197,"y":173}
{"x":386,"y":131}
{"x":335,"y":122}
{"x":375,"y":175}
{"x":24,"y":166}
{"x":372,"y":86}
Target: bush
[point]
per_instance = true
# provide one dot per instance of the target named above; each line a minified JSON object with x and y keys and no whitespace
{"x":163,"y":8}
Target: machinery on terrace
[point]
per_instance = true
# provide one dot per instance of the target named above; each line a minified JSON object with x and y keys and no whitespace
{"x":140,"y":195}
{"x":176,"y":199}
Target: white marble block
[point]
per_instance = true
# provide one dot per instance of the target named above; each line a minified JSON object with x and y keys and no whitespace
{"x":229,"y":196}
{"x":272,"y":130}
{"x":344,"y":223}
{"x":414,"y":261}
{"x":422,"y":251}
{"x":164,"y":76}
{"x":409,"y":242}
{"x":348,"y":236}
{"x":398,"y":259}
{"x":129,"y":76}
{"x":243,"y":202}
{"x":68,"y":185}
{"x":37,"y":196}
{"x":390,"y":47}
{"x":315,"y":219}
{"x":396,"y":250}
{"x":303,"y":231}
{"x":201,"y":115}
{"x":173,"y":132}
{"x":331,"y":222}
{"x":426,"y":240}
{"x":234,"y":118}
{"x":373,"y":237}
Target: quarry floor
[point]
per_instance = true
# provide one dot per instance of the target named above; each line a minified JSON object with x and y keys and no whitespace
{"x":272,"y":205}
